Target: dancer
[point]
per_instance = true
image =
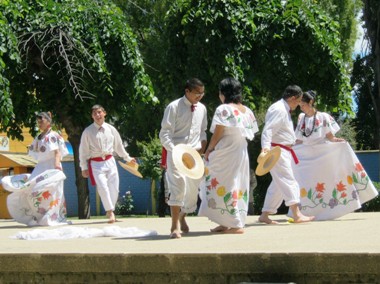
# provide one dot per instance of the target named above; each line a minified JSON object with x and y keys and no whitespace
{"x":38,"y":198}
{"x":224,"y":193}
{"x":279,"y":131}
{"x":184,"y":122}
{"x":98,"y":142}
{"x":332,"y":180}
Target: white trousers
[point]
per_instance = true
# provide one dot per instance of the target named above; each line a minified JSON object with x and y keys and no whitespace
{"x":283,"y":186}
{"x":107,"y":182}
{"x":183,"y":190}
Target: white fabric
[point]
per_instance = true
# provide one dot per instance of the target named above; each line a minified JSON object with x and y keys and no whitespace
{"x":106,"y":178}
{"x":44,"y":151}
{"x":278,"y":126}
{"x":38,"y":200}
{"x":283,"y":186}
{"x":100,"y":141}
{"x":332,"y":180}
{"x":183,"y":190}
{"x":74,"y":232}
{"x":224,"y":192}
{"x":180,"y":125}
{"x":324,"y":124}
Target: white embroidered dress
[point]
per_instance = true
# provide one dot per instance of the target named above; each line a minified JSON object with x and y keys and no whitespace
{"x":224,"y":192}
{"x":38,"y":198}
{"x":332,"y":180}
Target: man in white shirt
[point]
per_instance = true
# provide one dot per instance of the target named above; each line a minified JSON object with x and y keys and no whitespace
{"x":184,"y":122}
{"x":279,"y":131}
{"x":98,"y":142}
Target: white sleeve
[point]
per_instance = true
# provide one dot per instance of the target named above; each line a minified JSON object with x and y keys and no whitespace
{"x":167,"y":128}
{"x":119,"y":147}
{"x":84,"y":151}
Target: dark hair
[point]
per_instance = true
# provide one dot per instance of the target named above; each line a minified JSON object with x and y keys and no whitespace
{"x":95,"y":107}
{"x":292,"y":90}
{"x":192,"y":83}
{"x":46,"y":115}
{"x":309,"y":96}
{"x":231,"y":90}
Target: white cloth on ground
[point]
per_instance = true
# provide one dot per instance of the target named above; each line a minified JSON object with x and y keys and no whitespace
{"x":75,"y":232}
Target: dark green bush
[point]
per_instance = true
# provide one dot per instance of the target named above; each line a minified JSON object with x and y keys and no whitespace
{"x":374,"y":204}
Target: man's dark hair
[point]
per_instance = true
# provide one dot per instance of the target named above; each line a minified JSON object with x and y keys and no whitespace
{"x":193,"y":83}
{"x":292,"y":90}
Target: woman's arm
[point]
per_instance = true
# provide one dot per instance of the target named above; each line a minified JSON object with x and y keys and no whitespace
{"x":218,"y":133}
{"x":332,"y":138}
{"x":57,"y":158}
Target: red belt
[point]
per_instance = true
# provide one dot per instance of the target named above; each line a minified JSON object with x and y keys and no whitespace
{"x":96,"y":159}
{"x":289,"y":149}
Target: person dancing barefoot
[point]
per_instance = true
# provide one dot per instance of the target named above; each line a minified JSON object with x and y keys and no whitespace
{"x":279,"y":131}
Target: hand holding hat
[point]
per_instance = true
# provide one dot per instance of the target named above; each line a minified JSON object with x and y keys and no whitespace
{"x":267,"y":160}
{"x":188,"y":161}
{"x":132,"y":167}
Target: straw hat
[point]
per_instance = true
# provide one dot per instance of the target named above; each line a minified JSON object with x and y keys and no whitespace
{"x":131,"y":167}
{"x":188,"y":161}
{"x":266,"y":161}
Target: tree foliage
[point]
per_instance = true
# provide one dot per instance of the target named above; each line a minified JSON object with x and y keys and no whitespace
{"x":265,"y":44}
{"x":371,"y":16}
{"x":64,"y":56}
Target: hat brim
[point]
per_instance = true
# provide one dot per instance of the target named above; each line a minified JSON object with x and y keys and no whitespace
{"x":130,"y":169}
{"x":197,"y":170}
{"x":267,"y":161}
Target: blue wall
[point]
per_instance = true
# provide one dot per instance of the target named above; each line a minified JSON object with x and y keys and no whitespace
{"x":370,"y":162}
{"x":140,"y":189}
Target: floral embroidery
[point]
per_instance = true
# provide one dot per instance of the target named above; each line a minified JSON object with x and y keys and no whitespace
{"x":339,"y":195}
{"x":230,"y":199}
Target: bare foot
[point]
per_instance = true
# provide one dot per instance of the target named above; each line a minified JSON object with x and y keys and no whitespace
{"x":219,"y":229}
{"x":267,"y":220}
{"x":183,"y":225}
{"x":175,"y":235}
{"x":234,"y":231}
{"x":111,"y":217}
{"x":303,"y":219}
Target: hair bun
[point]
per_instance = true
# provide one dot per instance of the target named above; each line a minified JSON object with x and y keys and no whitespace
{"x":313,"y":94}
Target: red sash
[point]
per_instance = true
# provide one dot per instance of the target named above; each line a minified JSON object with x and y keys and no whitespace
{"x":96,"y":159}
{"x":289,"y":149}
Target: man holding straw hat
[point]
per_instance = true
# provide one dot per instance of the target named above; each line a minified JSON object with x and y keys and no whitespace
{"x":279,"y":131}
{"x":184,"y":122}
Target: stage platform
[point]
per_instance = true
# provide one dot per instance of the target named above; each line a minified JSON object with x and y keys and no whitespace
{"x":346,"y":250}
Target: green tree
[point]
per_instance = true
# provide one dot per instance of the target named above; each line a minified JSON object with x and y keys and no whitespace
{"x":265,"y":44}
{"x":371,"y":16}
{"x":64,"y":56}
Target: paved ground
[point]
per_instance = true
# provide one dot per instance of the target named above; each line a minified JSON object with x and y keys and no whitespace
{"x":353,"y":233}
{"x":347,"y":243}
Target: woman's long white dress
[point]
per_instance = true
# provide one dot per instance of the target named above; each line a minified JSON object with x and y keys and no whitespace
{"x":224,"y":192}
{"x":38,"y":198}
{"x":332,"y":180}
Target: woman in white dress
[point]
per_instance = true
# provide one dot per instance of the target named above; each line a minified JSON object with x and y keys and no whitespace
{"x":224,"y":193}
{"x":38,"y":198}
{"x":332,"y":180}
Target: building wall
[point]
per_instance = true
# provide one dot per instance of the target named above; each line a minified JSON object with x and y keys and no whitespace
{"x":370,"y":162}
{"x":139,"y":188}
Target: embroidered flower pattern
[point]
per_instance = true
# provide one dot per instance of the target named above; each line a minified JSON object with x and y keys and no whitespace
{"x":234,"y":116}
{"x":222,"y":196}
{"x":339,"y":195}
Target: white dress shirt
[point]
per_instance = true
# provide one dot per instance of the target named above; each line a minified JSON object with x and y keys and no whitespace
{"x":180,"y":125}
{"x":278,"y":126}
{"x":100,"y":141}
